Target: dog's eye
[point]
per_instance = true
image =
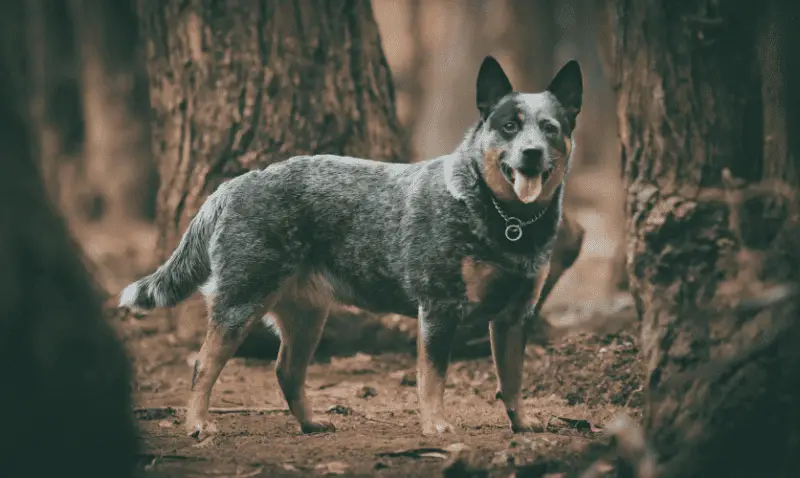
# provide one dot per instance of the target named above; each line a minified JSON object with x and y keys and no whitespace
{"x":549,"y":127}
{"x":510,"y":127}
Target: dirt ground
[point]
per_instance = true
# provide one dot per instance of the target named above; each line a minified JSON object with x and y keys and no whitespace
{"x":575,"y":385}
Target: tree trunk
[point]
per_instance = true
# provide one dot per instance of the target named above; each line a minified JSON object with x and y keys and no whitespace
{"x":449,"y":105}
{"x":704,"y":119}
{"x":415,"y":89}
{"x":244,"y":84}
{"x":117,"y":152}
{"x":50,"y":89}
{"x":66,"y":380}
{"x":531,"y":39}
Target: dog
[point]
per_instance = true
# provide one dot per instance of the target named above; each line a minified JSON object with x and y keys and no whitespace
{"x":465,"y":236}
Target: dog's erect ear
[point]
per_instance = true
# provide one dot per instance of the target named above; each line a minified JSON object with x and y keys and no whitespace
{"x":567,"y":87}
{"x":493,"y":85}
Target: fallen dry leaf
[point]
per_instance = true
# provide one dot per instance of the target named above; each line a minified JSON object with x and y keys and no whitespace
{"x":366,"y":392}
{"x":339,"y":410}
{"x":251,"y":473}
{"x":503,"y":458}
{"x":407,"y":378}
{"x":573,"y":424}
{"x":332,"y":468}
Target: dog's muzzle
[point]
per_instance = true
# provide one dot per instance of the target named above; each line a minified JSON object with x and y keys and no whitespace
{"x":527,"y":183}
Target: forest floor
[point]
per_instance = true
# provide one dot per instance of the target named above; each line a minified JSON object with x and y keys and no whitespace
{"x":575,"y":384}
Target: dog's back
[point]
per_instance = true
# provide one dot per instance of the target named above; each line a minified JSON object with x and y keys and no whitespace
{"x":324,"y":218}
{"x":342,"y":220}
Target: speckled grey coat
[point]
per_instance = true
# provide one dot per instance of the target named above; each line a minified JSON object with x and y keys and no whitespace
{"x":400,"y":238}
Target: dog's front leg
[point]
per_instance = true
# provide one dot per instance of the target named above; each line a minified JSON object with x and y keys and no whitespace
{"x":508,"y":351}
{"x":437,"y":328}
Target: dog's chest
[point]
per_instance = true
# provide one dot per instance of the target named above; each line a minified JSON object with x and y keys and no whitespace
{"x":491,"y":289}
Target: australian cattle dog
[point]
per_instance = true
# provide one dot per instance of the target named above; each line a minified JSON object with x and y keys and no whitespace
{"x":463,"y":236}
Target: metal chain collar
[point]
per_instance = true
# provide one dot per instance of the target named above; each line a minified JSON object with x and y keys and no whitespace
{"x":514,"y":225}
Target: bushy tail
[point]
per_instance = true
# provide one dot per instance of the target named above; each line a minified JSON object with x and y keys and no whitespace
{"x":187,"y":268}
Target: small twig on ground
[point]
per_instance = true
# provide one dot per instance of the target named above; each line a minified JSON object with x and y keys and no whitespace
{"x":217,"y":410}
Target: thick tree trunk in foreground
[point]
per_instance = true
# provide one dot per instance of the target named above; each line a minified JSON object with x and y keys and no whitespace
{"x":704,"y":87}
{"x":240,"y":85}
{"x":65,"y":387}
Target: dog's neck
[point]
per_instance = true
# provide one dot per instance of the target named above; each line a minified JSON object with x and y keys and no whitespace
{"x":551,"y":192}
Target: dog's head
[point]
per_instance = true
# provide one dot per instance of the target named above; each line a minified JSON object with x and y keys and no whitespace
{"x":525,"y":139}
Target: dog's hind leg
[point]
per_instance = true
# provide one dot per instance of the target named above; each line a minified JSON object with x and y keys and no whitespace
{"x":508,"y":351}
{"x":436,"y":331}
{"x":565,"y":252}
{"x":228,"y":326}
{"x":300,"y":323}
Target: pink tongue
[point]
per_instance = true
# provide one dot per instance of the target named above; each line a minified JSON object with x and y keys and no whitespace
{"x":527,"y":189}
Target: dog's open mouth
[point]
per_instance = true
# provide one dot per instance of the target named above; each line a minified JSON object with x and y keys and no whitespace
{"x":527,"y":187}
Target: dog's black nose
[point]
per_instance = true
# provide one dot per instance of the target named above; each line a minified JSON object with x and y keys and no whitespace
{"x":532,"y":161}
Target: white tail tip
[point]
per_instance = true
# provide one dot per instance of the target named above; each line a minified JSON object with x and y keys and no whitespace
{"x":127,"y":297}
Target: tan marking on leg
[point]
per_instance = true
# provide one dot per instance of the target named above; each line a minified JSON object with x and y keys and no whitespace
{"x":300,"y":315}
{"x":219,"y":346}
{"x":494,"y":177}
{"x":430,"y":390}
{"x":508,"y":351}
{"x":476,"y":276}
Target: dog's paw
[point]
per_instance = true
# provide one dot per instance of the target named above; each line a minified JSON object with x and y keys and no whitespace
{"x":527,"y":426}
{"x":437,"y":426}
{"x":320,"y":426}
{"x":201,"y":428}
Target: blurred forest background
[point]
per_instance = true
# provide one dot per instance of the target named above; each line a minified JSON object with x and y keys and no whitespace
{"x":106,"y":130}
{"x":681,"y":206}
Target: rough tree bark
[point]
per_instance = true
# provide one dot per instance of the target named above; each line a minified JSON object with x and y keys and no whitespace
{"x":66,"y":378}
{"x":705,"y":108}
{"x":230,"y":81}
